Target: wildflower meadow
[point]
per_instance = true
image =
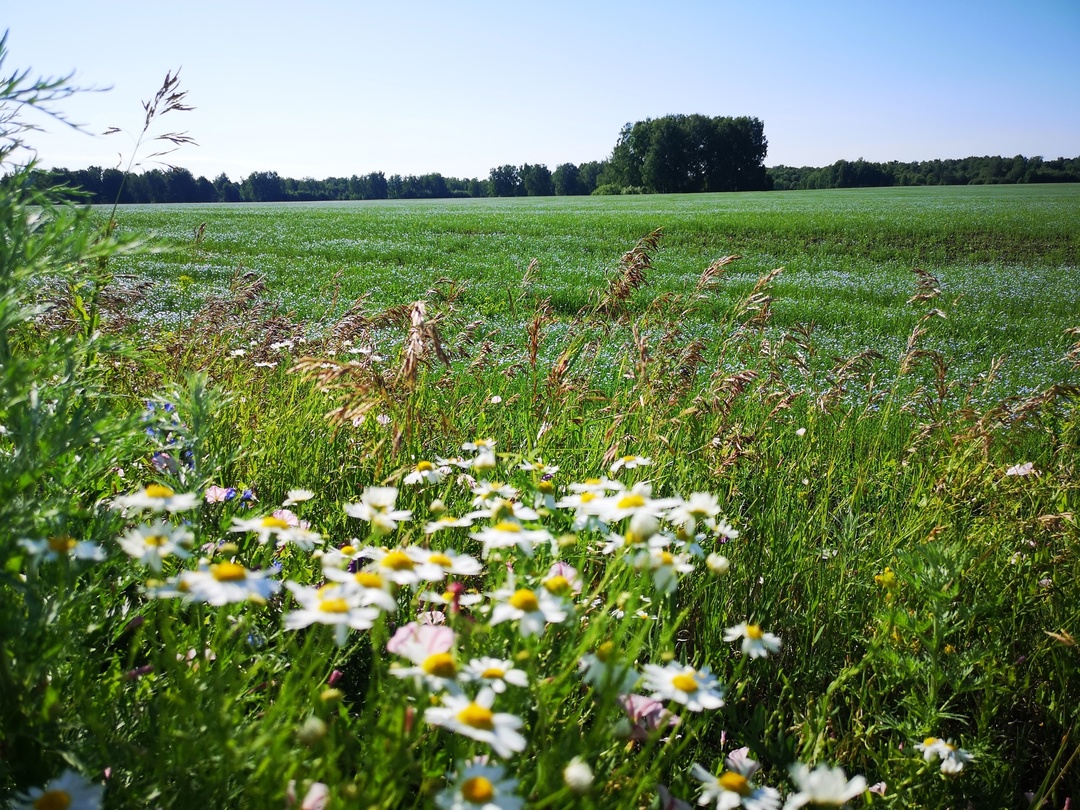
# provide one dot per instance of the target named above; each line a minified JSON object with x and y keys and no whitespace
{"x":581,"y":544}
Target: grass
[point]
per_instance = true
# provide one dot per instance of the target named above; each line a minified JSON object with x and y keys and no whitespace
{"x":1007,"y":255}
{"x":864,"y":449}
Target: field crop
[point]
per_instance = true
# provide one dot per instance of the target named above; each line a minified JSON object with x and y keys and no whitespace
{"x":525,"y":503}
{"x":1007,"y":259}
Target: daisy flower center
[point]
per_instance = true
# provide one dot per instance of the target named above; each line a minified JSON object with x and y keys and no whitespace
{"x":685,"y":681}
{"x":477,"y":790}
{"x":586,"y":497}
{"x":272,"y":522}
{"x":735,"y":782}
{"x":158,"y":491}
{"x":929,"y":741}
{"x":441,"y":665}
{"x":440,"y":559}
{"x":424,"y":466}
{"x":507,"y":526}
{"x":366,"y":579}
{"x":335,"y":605}
{"x":666,"y":558}
{"x":631,"y":501}
{"x":61,"y":545}
{"x":347,"y":549}
{"x":557,"y":584}
{"x":754,"y":632}
{"x":228,"y":572}
{"x":524,"y":599}
{"x":604,"y":651}
{"x":493,"y":672}
{"x":53,"y":800}
{"x":476,"y":716}
{"x":155,"y":540}
{"x":397,"y":561}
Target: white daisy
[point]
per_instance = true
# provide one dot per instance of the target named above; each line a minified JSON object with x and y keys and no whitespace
{"x":63,"y":546}
{"x":436,"y":565}
{"x":295,"y":496}
{"x":475,"y":719}
{"x":953,"y":759}
{"x":532,"y":610}
{"x":696,"y":689}
{"x":69,"y":789}
{"x":822,"y":786}
{"x":157,"y":498}
{"x":756,"y":643}
{"x":151,"y":544}
{"x":425,"y":473}
{"x":279,"y":527}
{"x":368,"y":587}
{"x":226,"y":582}
{"x":396,"y":565}
{"x":733,"y":787}
{"x":479,"y":786}
{"x":330,"y":604}
{"x":507,"y":533}
{"x":496,"y":673}
{"x":630,"y":463}
{"x":376,"y":506}
{"x":447,"y":522}
{"x":664,"y":566}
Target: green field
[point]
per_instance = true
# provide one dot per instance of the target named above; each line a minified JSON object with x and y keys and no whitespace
{"x":834,"y":455}
{"x":1007,"y":258}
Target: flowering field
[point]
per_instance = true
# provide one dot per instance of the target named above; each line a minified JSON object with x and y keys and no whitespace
{"x":359,"y":506}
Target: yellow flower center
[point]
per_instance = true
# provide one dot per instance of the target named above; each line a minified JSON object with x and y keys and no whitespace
{"x":685,"y":681}
{"x":735,"y":782}
{"x":604,"y":651}
{"x":53,"y":800}
{"x":366,"y":579}
{"x":228,"y":572}
{"x":754,"y":631}
{"x":335,"y":605}
{"x":631,"y":501}
{"x":929,"y":741}
{"x":546,"y":487}
{"x":448,"y":596}
{"x":628,"y":459}
{"x":592,"y":481}
{"x":397,"y":561}
{"x":440,"y":559}
{"x":441,"y":665}
{"x":557,"y":584}
{"x":424,"y":466}
{"x":347,"y":549}
{"x":155,"y":540}
{"x":493,"y":672}
{"x":666,"y":558}
{"x":271,"y":522}
{"x":524,"y":599}
{"x":476,"y":716}
{"x":507,"y":526}
{"x":62,"y":545}
{"x":477,"y":790}
{"x":158,"y":491}
{"x":586,"y":497}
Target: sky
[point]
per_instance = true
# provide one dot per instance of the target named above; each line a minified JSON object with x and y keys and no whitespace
{"x":336,"y":88}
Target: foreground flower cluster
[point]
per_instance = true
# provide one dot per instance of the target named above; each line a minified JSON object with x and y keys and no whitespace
{"x":472,"y":598}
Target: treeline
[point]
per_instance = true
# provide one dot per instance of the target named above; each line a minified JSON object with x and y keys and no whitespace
{"x":676,"y":153}
{"x":960,"y":172}
{"x":177,"y":185}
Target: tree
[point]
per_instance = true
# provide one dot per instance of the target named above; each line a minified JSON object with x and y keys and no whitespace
{"x":536,"y":180}
{"x":565,"y":179}
{"x":505,"y":181}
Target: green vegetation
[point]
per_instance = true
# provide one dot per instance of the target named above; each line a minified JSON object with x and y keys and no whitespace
{"x":225,"y":451}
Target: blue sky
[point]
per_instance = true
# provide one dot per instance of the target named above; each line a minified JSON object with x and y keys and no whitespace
{"x":339,"y":88}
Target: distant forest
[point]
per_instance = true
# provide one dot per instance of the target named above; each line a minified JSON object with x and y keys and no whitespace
{"x":672,"y":154}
